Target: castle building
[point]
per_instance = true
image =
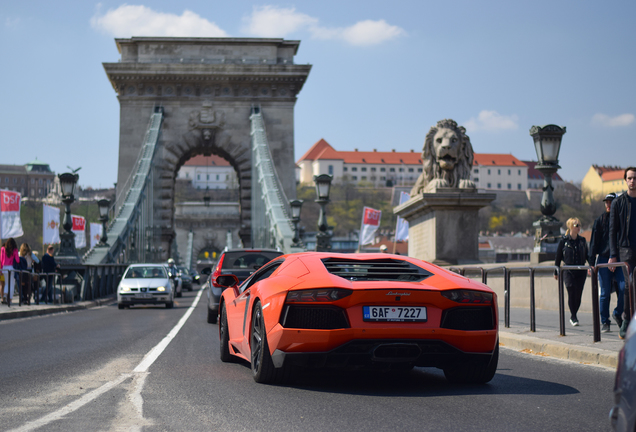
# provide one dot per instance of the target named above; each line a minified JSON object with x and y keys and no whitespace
{"x":34,"y":179}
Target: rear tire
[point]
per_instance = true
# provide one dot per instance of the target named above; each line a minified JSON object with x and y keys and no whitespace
{"x":476,"y":372}
{"x":263,"y":370}
{"x":224,"y":338}
{"x":212,"y":317}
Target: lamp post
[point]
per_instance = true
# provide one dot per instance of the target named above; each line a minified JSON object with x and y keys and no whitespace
{"x":295,"y":209}
{"x":547,"y":143}
{"x":323,"y":238}
{"x":67,"y":252}
{"x":104,"y":206}
{"x":206,"y":197}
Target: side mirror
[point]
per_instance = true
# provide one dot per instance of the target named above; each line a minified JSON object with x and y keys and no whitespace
{"x":206,"y":271}
{"x":227,"y":281}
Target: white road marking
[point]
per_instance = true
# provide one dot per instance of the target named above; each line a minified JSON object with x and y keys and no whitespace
{"x":141,"y":368}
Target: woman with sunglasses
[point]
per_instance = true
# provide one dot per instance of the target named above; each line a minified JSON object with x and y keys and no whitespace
{"x":572,"y":250}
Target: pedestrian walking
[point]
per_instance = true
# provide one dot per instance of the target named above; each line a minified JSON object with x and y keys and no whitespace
{"x":622,"y":228}
{"x":9,"y":259}
{"x":49,"y":266}
{"x":600,"y":254}
{"x":27,"y":262}
{"x":572,"y":250}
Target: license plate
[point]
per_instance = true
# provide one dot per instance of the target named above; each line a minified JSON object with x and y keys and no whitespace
{"x":394,"y":313}
{"x":143,"y":295}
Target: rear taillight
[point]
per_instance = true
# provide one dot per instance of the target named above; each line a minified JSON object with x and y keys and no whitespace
{"x":217,"y":271}
{"x":468,"y":296}
{"x":324,"y":295}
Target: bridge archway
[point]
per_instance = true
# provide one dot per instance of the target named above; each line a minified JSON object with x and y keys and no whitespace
{"x":206,"y":88}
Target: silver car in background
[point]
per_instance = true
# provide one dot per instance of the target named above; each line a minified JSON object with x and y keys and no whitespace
{"x":145,"y":284}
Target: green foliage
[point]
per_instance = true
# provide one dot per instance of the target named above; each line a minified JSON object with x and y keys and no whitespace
{"x":344,"y":212}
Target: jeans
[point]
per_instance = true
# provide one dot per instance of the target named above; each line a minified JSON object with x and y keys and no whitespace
{"x":47,"y":289}
{"x":605,"y":278}
{"x":9,"y":280}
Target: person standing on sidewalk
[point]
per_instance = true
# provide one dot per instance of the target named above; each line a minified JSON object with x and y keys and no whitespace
{"x":572,"y":250}
{"x":599,"y":245}
{"x":49,"y":266}
{"x":622,"y":228}
{"x":8,"y":259}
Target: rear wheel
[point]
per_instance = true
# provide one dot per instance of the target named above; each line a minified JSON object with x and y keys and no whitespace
{"x":475,"y":372}
{"x":263,"y":369}
{"x":212,"y":316}
{"x":224,"y":337}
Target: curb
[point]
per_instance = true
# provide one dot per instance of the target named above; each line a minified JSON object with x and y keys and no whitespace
{"x":55,"y":309}
{"x":580,"y":354}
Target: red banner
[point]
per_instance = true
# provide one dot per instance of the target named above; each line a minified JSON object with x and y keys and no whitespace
{"x":79,"y":223}
{"x":9,"y":201}
{"x":371,"y":216}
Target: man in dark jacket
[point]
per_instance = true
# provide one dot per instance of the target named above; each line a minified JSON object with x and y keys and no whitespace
{"x":599,"y":245}
{"x":49,"y":266}
{"x":623,"y":235}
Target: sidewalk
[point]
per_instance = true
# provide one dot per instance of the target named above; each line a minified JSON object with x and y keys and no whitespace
{"x":24,"y":311}
{"x":577,"y":345}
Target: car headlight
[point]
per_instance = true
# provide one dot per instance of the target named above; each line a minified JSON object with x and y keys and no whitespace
{"x":161,"y":288}
{"x":124,"y":289}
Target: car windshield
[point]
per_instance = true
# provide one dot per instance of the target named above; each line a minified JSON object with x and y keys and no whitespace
{"x":145,"y":273}
{"x":247,"y":259}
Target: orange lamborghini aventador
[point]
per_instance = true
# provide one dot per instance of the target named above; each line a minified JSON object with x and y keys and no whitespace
{"x":358,"y":311}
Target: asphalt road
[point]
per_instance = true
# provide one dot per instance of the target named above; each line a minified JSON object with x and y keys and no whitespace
{"x":91,"y":370}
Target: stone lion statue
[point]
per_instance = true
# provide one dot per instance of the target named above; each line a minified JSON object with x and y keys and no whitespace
{"x":447,"y":159}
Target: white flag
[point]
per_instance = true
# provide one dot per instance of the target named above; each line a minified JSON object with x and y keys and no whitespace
{"x":402,"y":226}
{"x":79,"y":229}
{"x":50,"y":224}
{"x":10,"y":224}
{"x":96,"y":233}
{"x":370,"y":224}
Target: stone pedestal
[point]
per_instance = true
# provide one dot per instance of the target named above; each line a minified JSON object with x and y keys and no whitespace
{"x":444,"y":226}
{"x":547,"y":234}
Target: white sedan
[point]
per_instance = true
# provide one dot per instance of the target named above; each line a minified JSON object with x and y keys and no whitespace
{"x":145,"y":284}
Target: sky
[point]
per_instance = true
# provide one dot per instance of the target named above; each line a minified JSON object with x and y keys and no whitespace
{"x":383,"y":73}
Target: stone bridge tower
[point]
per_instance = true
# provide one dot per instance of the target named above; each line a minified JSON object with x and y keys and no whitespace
{"x":206,"y":87}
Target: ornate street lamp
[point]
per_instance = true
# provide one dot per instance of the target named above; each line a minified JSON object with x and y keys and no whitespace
{"x":67,"y":251}
{"x":295,"y":209}
{"x":547,"y":143}
{"x":323,"y":238}
{"x":104,"y":206}
{"x":206,"y":197}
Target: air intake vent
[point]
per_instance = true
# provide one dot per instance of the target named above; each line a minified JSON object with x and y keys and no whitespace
{"x":314,"y":317}
{"x":468,"y":318}
{"x":376,"y":270}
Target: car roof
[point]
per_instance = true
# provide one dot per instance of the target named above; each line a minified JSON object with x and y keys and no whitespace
{"x":146,"y":265}
{"x":252,"y":250}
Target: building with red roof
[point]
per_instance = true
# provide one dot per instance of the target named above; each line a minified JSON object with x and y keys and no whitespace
{"x":383,"y":168}
{"x":601,"y":180}
{"x":208,"y":172}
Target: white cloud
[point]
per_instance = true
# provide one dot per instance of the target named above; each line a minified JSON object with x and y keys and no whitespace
{"x":619,"y":121}
{"x":271,"y":21}
{"x":369,"y":32}
{"x":129,"y":20}
{"x":492,"y":121}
